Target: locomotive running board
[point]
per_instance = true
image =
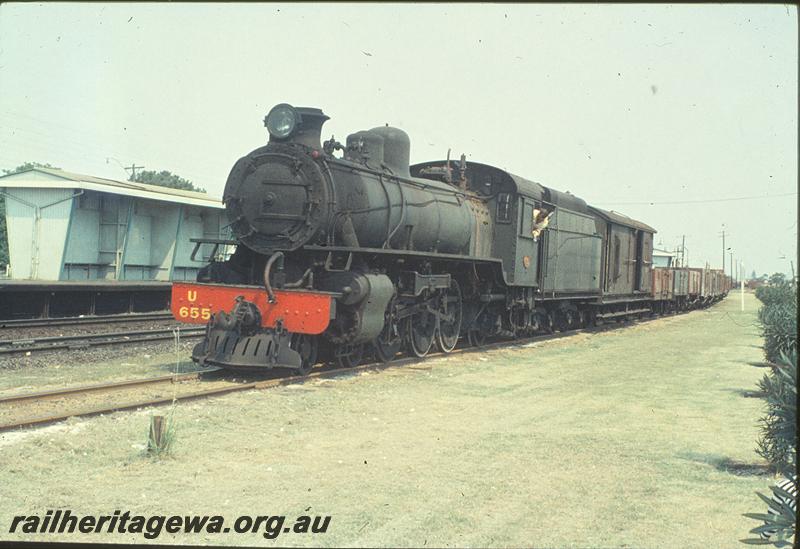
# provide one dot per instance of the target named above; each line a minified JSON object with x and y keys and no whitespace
{"x":389,"y":251}
{"x":623,"y":313}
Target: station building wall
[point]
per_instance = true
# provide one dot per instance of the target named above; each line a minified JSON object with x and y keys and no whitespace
{"x":98,"y":234}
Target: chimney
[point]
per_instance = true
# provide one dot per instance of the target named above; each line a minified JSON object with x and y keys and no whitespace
{"x":309,"y":127}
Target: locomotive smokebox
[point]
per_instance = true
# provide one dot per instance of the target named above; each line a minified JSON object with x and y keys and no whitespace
{"x":277,"y":196}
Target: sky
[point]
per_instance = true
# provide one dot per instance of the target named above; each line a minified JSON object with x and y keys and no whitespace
{"x":681,"y":116}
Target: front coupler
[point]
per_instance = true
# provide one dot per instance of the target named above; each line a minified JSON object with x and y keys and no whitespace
{"x":237,"y":341}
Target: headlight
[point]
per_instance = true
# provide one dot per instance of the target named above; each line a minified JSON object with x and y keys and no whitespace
{"x":281,"y":121}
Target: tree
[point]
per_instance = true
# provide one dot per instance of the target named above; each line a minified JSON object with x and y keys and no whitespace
{"x":777,"y":279}
{"x":165,"y":179}
{"x":3,"y":231}
{"x":25,"y":166}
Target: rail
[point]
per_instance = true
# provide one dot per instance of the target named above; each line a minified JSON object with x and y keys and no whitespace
{"x":82,"y":341}
{"x":101,"y":387}
{"x":83,"y":320}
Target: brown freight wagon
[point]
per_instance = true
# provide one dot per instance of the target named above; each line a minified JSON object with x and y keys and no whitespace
{"x":680,"y":288}
{"x":663,"y":280}
{"x":695,"y":284}
{"x":715,"y":286}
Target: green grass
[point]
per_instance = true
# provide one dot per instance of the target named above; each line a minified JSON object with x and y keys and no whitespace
{"x":634,"y":438}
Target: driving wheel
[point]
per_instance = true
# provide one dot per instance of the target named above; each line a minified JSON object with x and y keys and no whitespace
{"x":390,"y":341}
{"x":450,"y":318}
{"x":421,"y":330}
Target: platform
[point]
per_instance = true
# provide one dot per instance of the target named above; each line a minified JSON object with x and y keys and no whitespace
{"x":50,"y":299}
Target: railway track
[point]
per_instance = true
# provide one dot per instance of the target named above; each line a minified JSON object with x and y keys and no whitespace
{"x":61,"y":397}
{"x":83,"y":320}
{"x":225,"y":387}
{"x":84,"y":341}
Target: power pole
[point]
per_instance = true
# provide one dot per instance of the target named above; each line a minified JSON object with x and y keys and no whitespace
{"x":741,"y":287}
{"x":731,"y":254}
{"x":683,"y":251}
{"x":132,"y":168}
{"x":723,"y":251}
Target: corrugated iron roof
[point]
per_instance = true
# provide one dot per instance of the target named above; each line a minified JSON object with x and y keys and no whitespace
{"x":130,"y":188}
{"x":621,"y":219}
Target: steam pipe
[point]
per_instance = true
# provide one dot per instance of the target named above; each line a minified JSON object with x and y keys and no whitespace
{"x":277,"y":256}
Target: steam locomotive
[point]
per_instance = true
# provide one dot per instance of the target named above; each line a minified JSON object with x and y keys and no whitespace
{"x":345,"y":249}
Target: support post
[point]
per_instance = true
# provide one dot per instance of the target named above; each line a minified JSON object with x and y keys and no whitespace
{"x":731,"y":264}
{"x":741,"y":283}
{"x":120,"y":270}
{"x":156,"y":441}
{"x":176,"y":243}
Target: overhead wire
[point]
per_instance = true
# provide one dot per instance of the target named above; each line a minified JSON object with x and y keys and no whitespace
{"x":81,"y":135}
{"x":74,"y":146}
{"x":82,"y":147}
{"x":92,"y":136}
{"x":703,"y":201}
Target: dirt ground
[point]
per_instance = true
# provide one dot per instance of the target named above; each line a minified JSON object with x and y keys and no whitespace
{"x":640,"y":437}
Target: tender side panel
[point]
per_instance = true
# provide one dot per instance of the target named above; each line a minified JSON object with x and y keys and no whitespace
{"x":644,"y":259}
{"x":573,"y":253}
{"x":621,"y":264}
{"x":299,"y":311}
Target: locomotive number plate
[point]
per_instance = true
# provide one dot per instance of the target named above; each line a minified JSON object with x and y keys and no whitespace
{"x":299,"y":311}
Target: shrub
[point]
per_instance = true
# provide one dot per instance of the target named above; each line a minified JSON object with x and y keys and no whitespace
{"x":780,"y":518}
{"x":779,"y":426}
{"x":778,"y":319}
{"x":778,"y":440}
